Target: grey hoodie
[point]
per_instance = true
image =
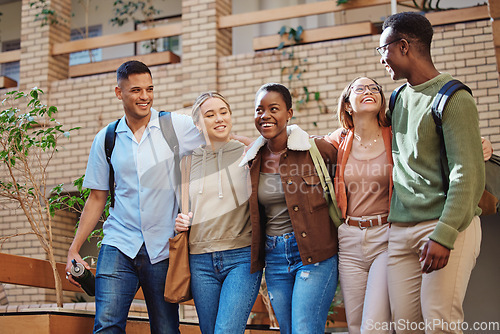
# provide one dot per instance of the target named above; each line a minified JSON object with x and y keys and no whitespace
{"x":219,"y":193}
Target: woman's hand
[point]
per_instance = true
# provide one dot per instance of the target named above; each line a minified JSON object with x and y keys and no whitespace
{"x":182,"y":222}
{"x":487,"y":148}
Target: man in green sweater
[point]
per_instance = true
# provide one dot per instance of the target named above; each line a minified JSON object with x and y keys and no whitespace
{"x":434,"y":237}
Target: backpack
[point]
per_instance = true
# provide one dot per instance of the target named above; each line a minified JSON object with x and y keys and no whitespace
{"x":489,"y":201}
{"x":167,"y":129}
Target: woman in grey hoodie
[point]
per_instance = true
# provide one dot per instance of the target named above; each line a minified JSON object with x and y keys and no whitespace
{"x":223,"y":289}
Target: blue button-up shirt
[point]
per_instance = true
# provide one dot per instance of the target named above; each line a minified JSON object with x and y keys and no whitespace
{"x":145,"y":202}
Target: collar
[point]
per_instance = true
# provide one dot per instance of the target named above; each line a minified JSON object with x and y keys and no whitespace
{"x":153,"y":122}
{"x":298,"y":140}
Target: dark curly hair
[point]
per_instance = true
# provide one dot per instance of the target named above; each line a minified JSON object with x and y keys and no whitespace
{"x":413,"y":27}
{"x":278,"y":88}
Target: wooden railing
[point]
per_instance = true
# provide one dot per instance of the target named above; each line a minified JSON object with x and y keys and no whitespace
{"x":237,"y":20}
{"x":25,"y":271}
{"x":21,"y":270}
{"x":290,"y":12}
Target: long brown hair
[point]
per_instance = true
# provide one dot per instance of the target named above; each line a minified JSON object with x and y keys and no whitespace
{"x":345,"y":119}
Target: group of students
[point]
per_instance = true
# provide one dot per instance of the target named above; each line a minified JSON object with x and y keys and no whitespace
{"x":260,"y":205}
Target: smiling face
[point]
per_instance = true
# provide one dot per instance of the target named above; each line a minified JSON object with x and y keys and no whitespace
{"x":271,"y":115}
{"x":392,"y":57}
{"x":363,"y":97}
{"x":215,"y":120}
{"x":136,"y":94}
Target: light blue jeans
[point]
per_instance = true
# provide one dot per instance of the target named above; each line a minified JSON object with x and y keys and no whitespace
{"x":117,"y":280}
{"x":223,"y":290}
{"x":300,"y":294}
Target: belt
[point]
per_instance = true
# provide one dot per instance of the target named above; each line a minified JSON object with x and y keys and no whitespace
{"x":366,"y":221}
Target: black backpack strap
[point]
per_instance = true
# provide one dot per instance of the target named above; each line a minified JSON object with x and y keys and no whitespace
{"x":109,"y":145}
{"x":438,"y":105}
{"x":394,"y":97}
{"x":167,"y":129}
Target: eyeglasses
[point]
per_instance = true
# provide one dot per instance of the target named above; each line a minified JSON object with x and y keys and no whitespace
{"x":360,"y":89}
{"x":383,"y":49}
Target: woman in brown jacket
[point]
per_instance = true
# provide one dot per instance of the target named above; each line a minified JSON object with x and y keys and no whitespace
{"x":292,"y":233}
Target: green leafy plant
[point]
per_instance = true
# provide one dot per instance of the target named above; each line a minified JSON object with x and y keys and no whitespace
{"x":29,"y":137}
{"x":46,"y":15}
{"x":290,"y":37}
{"x":74,"y":202}
{"x":137,"y":11}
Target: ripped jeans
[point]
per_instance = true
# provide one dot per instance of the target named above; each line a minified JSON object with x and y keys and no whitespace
{"x":300,"y":294}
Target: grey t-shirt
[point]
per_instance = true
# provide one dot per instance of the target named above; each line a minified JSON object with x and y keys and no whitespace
{"x":272,"y":198}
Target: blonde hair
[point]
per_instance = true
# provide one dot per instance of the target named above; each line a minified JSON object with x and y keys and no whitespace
{"x":345,"y":119}
{"x":195,"y":112}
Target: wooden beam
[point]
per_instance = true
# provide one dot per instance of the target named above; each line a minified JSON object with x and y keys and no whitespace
{"x":283,"y":13}
{"x":458,"y":15}
{"x":10,"y":56}
{"x":320,"y":34}
{"x":107,"y":66}
{"x":116,"y":39}
{"x":22,"y":270}
{"x":495,"y":25}
{"x":6,"y":82}
{"x":494,"y":9}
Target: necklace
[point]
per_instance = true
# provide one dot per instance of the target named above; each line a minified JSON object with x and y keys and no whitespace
{"x":367,"y":146}
{"x":277,"y":153}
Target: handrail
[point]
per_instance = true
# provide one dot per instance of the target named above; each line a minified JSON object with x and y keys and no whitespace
{"x":116,"y":39}
{"x":317,"y":35}
{"x":323,"y":7}
{"x":10,"y":56}
{"x":458,"y":15}
{"x":22,"y":270}
{"x":106,"y":66}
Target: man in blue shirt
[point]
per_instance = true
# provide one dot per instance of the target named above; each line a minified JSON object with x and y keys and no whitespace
{"x":134,"y":251}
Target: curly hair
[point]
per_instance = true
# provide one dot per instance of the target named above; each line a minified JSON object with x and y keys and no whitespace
{"x":278,"y":88}
{"x":413,"y":27}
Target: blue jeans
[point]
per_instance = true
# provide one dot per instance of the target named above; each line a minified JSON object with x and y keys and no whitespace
{"x":117,"y":281}
{"x":300,"y":294}
{"x":223,"y":289}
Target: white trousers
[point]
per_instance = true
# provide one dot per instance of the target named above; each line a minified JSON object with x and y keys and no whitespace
{"x":429,"y":303}
{"x":363,"y":277}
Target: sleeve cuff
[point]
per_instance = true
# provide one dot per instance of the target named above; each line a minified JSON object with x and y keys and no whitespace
{"x":444,"y":235}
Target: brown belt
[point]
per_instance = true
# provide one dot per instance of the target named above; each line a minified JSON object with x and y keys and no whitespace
{"x":366,"y":221}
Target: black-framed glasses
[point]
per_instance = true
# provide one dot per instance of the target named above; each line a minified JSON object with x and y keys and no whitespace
{"x":383,"y":49}
{"x":360,"y":89}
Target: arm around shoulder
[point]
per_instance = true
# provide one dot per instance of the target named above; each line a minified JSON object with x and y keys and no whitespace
{"x":334,"y":137}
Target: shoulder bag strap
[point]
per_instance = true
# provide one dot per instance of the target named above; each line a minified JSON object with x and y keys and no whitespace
{"x":109,"y":145}
{"x":185,"y":172}
{"x":326,"y":183}
{"x":439,"y":103}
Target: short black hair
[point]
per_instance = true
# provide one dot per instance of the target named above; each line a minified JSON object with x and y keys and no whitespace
{"x":131,"y":67}
{"x":278,"y":88}
{"x":413,"y":27}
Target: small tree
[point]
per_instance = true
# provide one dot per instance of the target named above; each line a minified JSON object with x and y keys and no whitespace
{"x":28,"y":141}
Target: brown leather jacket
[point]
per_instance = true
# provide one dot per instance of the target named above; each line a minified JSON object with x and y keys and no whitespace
{"x":315,"y":232}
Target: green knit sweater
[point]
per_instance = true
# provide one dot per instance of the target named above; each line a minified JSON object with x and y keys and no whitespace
{"x":418,"y":188}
